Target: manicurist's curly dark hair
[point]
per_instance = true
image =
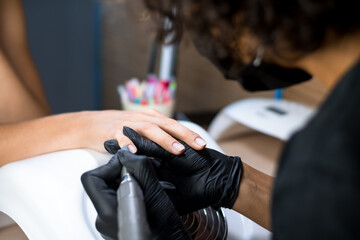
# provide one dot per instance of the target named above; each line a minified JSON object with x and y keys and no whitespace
{"x":300,"y":26}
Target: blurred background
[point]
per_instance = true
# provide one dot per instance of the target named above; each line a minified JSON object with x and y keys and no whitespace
{"x":84,"y":49}
{"x":62,"y":36}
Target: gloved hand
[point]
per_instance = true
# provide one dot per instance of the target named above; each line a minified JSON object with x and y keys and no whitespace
{"x":102,"y":183}
{"x":202,"y":178}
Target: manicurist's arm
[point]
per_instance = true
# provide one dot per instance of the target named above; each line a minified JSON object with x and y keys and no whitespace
{"x":254,"y":196}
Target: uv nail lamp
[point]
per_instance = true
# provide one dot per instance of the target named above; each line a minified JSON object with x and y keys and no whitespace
{"x":277,"y":118}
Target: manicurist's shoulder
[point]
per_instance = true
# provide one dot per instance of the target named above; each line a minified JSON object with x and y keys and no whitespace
{"x":317,"y":189}
{"x":332,"y":134}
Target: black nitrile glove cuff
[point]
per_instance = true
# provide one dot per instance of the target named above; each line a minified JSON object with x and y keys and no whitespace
{"x":225,"y":177}
{"x":231,"y":190}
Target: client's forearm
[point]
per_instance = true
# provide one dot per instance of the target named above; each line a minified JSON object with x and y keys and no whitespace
{"x":27,"y":139}
{"x":254,"y":196}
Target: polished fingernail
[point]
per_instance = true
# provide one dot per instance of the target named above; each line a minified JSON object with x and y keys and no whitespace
{"x":200,"y":142}
{"x":178,"y":147}
{"x":132,"y":148}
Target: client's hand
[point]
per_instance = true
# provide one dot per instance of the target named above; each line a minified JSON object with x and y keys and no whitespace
{"x":99,"y":126}
{"x":202,"y":178}
{"x":102,"y":183}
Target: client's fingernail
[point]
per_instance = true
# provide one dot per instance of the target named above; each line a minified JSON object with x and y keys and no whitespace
{"x":178,"y":147}
{"x":132,"y":148}
{"x":199,"y":141}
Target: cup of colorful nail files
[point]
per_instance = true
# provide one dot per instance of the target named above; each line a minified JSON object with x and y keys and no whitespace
{"x":149,"y":94}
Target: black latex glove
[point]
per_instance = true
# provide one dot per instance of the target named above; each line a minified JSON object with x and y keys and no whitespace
{"x":202,"y":178}
{"x":102,"y":183}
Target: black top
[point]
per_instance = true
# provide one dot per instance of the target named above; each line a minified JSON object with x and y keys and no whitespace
{"x":317,"y":189}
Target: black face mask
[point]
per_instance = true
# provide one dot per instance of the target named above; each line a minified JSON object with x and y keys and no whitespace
{"x":253,"y":78}
{"x":269,"y":77}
